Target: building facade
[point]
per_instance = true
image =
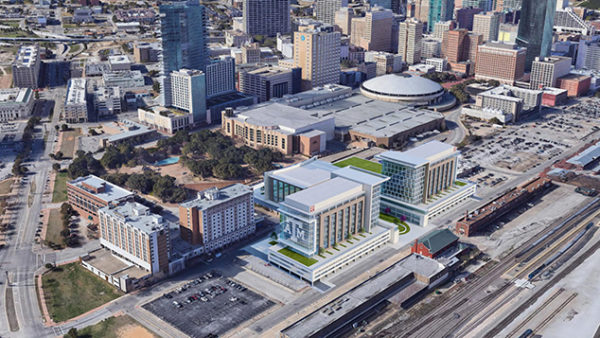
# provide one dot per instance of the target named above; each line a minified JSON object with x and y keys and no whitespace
{"x":88,"y":194}
{"x":16,"y":104}
{"x":510,"y":100}
{"x":546,"y":71}
{"x":325,"y":9}
{"x":218,"y":217}
{"x":535,"y":29}
{"x":410,"y":33}
{"x":165,"y":120}
{"x":373,"y":31}
{"x":439,"y":10}
{"x":268,"y":82}
{"x":188,"y":93}
{"x":26,"y":67}
{"x":575,"y":85}
{"x":107,"y":101}
{"x":220,"y":77}
{"x":317,"y":53}
{"x":183,"y":39}
{"x":75,"y":107}
{"x":501,"y":62}
{"x":266,"y":17}
{"x":132,"y":232}
{"x":488,"y":25}
{"x":125,"y":79}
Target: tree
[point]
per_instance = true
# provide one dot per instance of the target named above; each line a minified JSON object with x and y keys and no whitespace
{"x":64,"y":127}
{"x":59,"y":155}
{"x":112,"y":158}
{"x":156,"y":86}
{"x":274,"y":236}
{"x":72,"y":333}
{"x":55,"y":166}
{"x":140,"y":182}
{"x":56,"y":127}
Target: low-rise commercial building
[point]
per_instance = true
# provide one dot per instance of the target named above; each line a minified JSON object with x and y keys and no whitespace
{"x":575,"y":84}
{"x":16,"y":104}
{"x":125,"y":79}
{"x":166,"y":120}
{"x":146,"y":52}
{"x":119,"y":63}
{"x":487,"y":114}
{"x":434,"y":243}
{"x":554,"y":96}
{"x":477,"y":220}
{"x":510,"y":100}
{"x":75,"y":107}
{"x":236,"y":38}
{"x":129,"y":230}
{"x":88,"y":194}
{"x":26,"y":67}
{"x":107,"y":101}
{"x":279,"y":127}
{"x":218,"y":217}
{"x":128,"y":132}
{"x":422,"y":183}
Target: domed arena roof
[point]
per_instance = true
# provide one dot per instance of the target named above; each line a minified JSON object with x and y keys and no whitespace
{"x":401,"y":85}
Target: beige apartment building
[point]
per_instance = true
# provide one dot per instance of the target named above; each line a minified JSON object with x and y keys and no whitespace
{"x":373,"y":31}
{"x":317,"y":52}
{"x":410,"y":33}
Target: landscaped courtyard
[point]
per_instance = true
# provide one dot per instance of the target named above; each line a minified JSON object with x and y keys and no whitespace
{"x":70,"y":290}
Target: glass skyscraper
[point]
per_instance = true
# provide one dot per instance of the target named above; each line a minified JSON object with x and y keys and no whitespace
{"x":535,"y":28}
{"x":439,"y":10}
{"x":183,"y":30}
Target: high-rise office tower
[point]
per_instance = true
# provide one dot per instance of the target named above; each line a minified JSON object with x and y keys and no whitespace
{"x":464,"y":17}
{"x":220,"y":77}
{"x":440,"y":28}
{"x":317,"y":52}
{"x":422,"y":10}
{"x":439,"y":10}
{"x":266,"y":17}
{"x":409,"y":41}
{"x":508,"y":5}
{"x":373,"y":31}
{"x":545,"y":72}
{"x":325,"y":9}
{"x":396,"y":6}
{"x":472,"y":43}
{"x":183,"y":38}
{"x":535,"y":28}
{"x":485,"y":5}
{"x":343,"y":20}
{"x":488,"y":25}
{"x":430,"y":48}
{"x":453,"y":45}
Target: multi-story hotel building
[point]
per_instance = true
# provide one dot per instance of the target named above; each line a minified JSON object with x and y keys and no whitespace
{"x":545,"y":71}
{"x":15,"y":103}
{"x":132,"y":232}
{"x":317,"y":52}
{"x":501,"y":62}
{"x":422,"y":182}
{"x":218,"y":217}
{"x":75,"y":108}
{"x":88,"y":194}
{"x":26,"y":67}
{"x":188,"y":93}
{"x":269,"y":82}
{"x":266,"y":17}
{"x":279,"y":127}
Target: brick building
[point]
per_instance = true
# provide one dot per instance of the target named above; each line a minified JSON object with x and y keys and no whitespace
{"x":88,"y":194}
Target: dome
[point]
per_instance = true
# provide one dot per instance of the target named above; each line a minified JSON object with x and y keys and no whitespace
{"x":402,"y":88}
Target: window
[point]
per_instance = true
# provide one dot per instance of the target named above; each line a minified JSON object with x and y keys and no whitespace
{"x":258,"y":136}
{"x":282,"y":143}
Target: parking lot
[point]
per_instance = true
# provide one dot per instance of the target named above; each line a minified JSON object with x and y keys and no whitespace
{"x":524,"y":146}
{"x":208,"y":306}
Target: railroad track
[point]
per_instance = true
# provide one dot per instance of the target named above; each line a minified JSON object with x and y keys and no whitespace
{"x":441,"y":318}
{"x":554,"y":313}
{"x":533,"y":314}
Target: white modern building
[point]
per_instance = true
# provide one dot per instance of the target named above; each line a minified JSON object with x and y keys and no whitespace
{"x":422,"y":183}
{"x":164,"y":119}
{"x":132,"y":232}
{"x":188,"y":92}
{"x":75,"y":108}
{"x":107,"y":101}
{"x":119,"y":62}
{"x":15,"y":104}
{"x":510,"y":99}
{"x":26,"y":67}
{"x":440,"y":64}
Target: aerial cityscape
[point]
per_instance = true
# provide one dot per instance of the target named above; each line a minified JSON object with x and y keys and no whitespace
{"x":299,"y":168}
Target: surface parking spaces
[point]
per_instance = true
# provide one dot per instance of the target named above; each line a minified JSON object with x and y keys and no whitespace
{"x":208,"y":306}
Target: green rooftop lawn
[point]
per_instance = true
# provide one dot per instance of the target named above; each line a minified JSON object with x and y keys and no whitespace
{"x":298,"y":257}
{"x":360,"y":163}
{"x":459,"y":183}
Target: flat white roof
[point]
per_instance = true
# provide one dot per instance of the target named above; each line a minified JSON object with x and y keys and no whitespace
{"x":136,"y":215}
{"x":360,"y":175}
{"x":76,"y":91}
{"x":279,"y":115}
{"x":323,"y":195}
{"x":26,"y":56}
{"x":305,"y":174}
{"x":423,"y":154}
{"x":119,"y":59}
{"x":14,"y":96}
{"x":111,"y":191}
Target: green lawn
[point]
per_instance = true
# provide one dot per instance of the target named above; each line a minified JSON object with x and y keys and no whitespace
{"x":459,"y":183}
{"x":360,"y":163}
{"x":111,"y":328}
{"x":273,"y":242}
{"x":74,"y":48}
{"x":14,"y":24}
{"x":298,"y":257}
{"x":60,"y":187}
{"x":5,"y":186}
{"x":54,"y":228}
{"x":402,"y":226}
{"x":71,"y":290}
{"x":591,"y":4}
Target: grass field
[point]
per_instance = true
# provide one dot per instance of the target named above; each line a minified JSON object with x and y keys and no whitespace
{"x":591,"y":4}
{"x":60,"y":187}
{"x":116,"y":327}
{"x":69,"y":138}
{"x":298,"y":257}
{"x":54,"y":228}
{"x":360,"y":163}
{"x":5,"y":186}
{"x":74,"y":48}
{"x":72,"y":290}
